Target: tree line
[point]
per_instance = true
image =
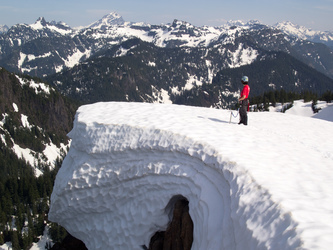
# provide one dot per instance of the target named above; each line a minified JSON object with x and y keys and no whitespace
{"x":271,"y":98}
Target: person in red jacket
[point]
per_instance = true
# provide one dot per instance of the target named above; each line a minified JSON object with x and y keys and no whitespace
{"x":244,"y":102}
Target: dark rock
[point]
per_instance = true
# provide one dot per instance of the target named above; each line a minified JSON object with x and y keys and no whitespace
{"x":179,"y":234}
{"x":69,"y":243}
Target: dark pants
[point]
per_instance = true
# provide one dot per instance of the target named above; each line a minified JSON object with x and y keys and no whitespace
{"x":243,"y":111}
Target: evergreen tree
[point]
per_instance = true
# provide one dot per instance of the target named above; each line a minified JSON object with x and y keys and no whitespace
{"x":40,"y":225}
{"x":57,"y":233}
{"x":266,"y":104}
{"x":327,"y":96}
{"x":283,"y":96}
{"x":15,"y":240}
{"x":1,"y":238}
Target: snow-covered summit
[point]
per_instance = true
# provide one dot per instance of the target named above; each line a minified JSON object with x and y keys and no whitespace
{"x":3,"y":28}
{"x":305,"y":33}
{"x":59,"y":27}
{"x":241,"y":23}
{"x":263,"y":186}
{"x":110,"y":19}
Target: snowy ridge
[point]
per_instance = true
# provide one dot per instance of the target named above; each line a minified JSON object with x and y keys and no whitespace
{"x":129,"y":161}
{"x":59,"y":27}
{"x":107,"y":20}
{"x":304,"y":33}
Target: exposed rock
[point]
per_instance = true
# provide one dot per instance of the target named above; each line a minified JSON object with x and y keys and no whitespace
{"x":69,"y":243}
{"x":179,"y":234}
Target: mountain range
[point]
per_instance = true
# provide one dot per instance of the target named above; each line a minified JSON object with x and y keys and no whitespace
{"x":287,"y":27}
{"x":116,"y":60}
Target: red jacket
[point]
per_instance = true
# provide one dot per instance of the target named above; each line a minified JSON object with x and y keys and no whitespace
{"x":245,"y":91}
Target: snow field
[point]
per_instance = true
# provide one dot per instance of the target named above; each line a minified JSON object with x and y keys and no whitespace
{"x":262,"y":186}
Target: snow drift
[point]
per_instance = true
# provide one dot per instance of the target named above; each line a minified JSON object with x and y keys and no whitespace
{"x":263,"y":186}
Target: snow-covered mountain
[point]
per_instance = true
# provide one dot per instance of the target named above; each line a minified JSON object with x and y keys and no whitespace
{"x":195,"y":56}
{"x":44,"y":48}
{"x":325,"y":37}
{"x":3,"y":28}
{"x":107,"y":21}
{"x":264,"y":186}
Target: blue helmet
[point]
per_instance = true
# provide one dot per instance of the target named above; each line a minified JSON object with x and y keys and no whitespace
{"x":245,"y":79}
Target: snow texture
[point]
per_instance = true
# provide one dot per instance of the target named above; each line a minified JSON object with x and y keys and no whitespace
{"x":263,"y":186}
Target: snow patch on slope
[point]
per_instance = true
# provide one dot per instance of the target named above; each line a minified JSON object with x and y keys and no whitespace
{"x":75,"y":58}
{"x":242,"y":56}
{"x":38,"y":87}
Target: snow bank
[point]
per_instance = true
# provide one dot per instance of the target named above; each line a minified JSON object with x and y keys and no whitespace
{"x":263,"y":186}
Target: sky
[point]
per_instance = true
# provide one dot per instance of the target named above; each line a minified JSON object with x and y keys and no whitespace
{"x":314,"y":14}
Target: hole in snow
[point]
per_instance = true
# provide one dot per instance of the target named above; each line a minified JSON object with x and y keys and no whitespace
{"x":179,"y":234}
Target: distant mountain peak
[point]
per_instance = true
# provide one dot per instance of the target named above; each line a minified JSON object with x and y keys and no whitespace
{"x":291,"y":28}
{"x":177,"y":22}
{"x":3,"y":28}
{"x":110,"y":19}
{"x":303,"y":32}
{"x":53,"y":26}
{"x":62,"y":24}
{"x":249,"y":24}
{"x":41,"y":20}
